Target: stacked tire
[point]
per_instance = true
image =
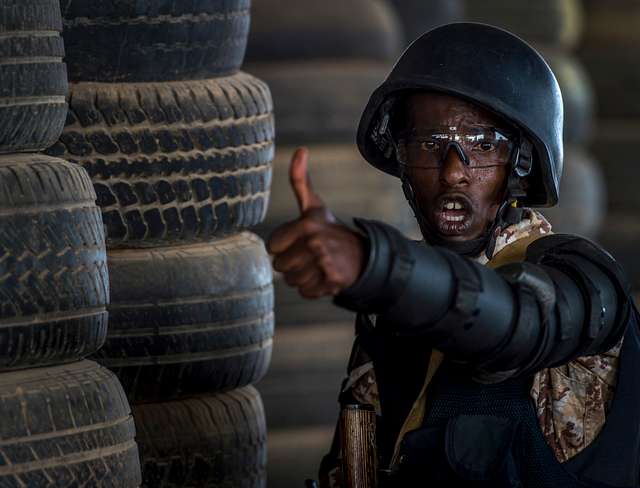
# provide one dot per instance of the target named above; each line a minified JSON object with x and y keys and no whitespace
{"x":609,"y":52}
{"x":178,"y":143}
{"x":66,"y":421}
{"x":321,"y":60}
{"x":554,"y":27}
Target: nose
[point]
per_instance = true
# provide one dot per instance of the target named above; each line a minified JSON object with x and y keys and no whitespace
{"x":454,"y":172}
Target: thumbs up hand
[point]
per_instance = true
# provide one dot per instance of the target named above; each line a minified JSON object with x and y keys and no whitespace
{"x":315,"y":253}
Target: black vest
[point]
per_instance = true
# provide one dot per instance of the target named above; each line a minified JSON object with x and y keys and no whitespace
{"x":488,"y":435}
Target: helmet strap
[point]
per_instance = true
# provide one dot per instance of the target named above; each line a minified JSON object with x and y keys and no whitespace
{"x":508,"y":213}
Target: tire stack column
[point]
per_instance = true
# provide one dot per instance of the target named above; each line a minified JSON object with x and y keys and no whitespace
{"x":555,"y":27}
{"x":65,"y":420}
{"x":322,"y":61}
{"x":609,"y":50}
{"x":178,"y":144}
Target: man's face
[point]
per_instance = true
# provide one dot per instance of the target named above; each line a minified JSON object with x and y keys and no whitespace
{"x":458,"y":201}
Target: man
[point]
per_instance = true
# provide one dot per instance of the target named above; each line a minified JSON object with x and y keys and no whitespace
{"x":495,"y":352}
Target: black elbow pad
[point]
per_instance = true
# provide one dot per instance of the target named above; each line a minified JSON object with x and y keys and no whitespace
{"x":604,"y":291}
{"x":572,"y":301}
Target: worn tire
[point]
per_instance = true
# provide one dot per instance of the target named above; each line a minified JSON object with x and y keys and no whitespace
{"x":577,"y":96}
{"x":610,"y":51}
{"x":319,"y":102}
{"x":420,"y":16}
{"x":620,"y":236}
{"x":66,"y":426}
{"x":173,"y":162}
{"x":33,"y":78}
{"x":154,"y":40}
{"x":53,"y":270}
{"x":615,"y":144}
{"x":292,"y":310}
{"x":556,"y":23}
{"x":210,"y":441}
{"x":349,"y":186}
{"x":332,"y":29}
{"x":582,"y":204}
{"x":189,"y":319}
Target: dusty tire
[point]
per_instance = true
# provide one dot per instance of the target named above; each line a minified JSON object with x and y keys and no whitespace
{"x":154,"y":40}
{"x":349,"y":186}
{"x":582,"y":196}
{"x":189,"y":319}
{"x":616,"y":146}
{"x":211,"y":441}
{"x":610,"y":51}
{"x":319,"y":102}
{"x":549,"y":22}
{"x":173,"y":162}
{"x":53,"y":270}
{"x":420,"y":16}
{"x":292,"y":310}
{"x":33,"y":78}
{"x":620,"y":236}
{"x":577,"y":96}
{"x":66,"y":426}
{"x":332,"y":29}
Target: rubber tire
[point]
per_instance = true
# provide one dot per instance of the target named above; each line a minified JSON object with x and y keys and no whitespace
{"x":610,"y":52}
{"x":211,"y":441}
{"x":329,"y":30}
{"x":554,"y":23}
{"x":349,"y":186}
{"x":33,"y":78}
{"x":66,"y":426}
{"x":173,"y":162}
{"x":420,"y":16}
{"x":189,"y":319}
{"x":54,"y":287}
{"x":577,"y":96}
{"x":620,"y":236}
{"x":318,"y":102}
{"x":154,"y":40}
{"x":292,"y":310}
{"x":616,"y":145}
{"x":582,"y":204}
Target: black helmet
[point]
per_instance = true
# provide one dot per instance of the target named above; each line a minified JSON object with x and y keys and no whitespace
{"x":492,"y":68}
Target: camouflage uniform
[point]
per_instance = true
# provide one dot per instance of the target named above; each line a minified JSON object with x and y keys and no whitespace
{"x":571,"y":400}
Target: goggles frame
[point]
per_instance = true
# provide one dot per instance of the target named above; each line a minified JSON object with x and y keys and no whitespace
{"x":452,"y":138}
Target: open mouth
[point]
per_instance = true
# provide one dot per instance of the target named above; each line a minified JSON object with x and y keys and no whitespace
{"x":453,"y":214}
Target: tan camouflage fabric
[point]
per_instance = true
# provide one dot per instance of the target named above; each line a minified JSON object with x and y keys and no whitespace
{"x":571,"y":400}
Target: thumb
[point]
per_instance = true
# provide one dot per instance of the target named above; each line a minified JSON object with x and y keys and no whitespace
{"x":301,"y":183}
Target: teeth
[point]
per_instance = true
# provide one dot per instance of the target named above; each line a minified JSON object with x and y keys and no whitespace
{"x":453,"y":206}
{"x":452,"y":218}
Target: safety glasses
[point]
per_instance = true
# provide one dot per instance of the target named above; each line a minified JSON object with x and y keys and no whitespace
{"x":477,"y":146}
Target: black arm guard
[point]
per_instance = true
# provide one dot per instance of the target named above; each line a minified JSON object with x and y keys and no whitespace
{"x":568,"y":299}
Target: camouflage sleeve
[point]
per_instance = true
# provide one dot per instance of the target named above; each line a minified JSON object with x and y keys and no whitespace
{"x":572,"y":401}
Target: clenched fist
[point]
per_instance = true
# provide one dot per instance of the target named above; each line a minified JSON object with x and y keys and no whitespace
{"x":315,"y":253}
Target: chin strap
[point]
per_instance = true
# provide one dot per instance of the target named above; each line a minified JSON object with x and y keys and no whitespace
{"x":508,"y":214}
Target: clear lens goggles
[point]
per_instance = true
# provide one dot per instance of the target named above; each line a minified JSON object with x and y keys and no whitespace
{"x":477,"y":146}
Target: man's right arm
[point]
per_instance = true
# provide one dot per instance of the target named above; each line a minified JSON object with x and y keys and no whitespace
{"x":567,"y":299}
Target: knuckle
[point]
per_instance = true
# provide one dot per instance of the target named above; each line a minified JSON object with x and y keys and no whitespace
{"x":308,"y":225}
